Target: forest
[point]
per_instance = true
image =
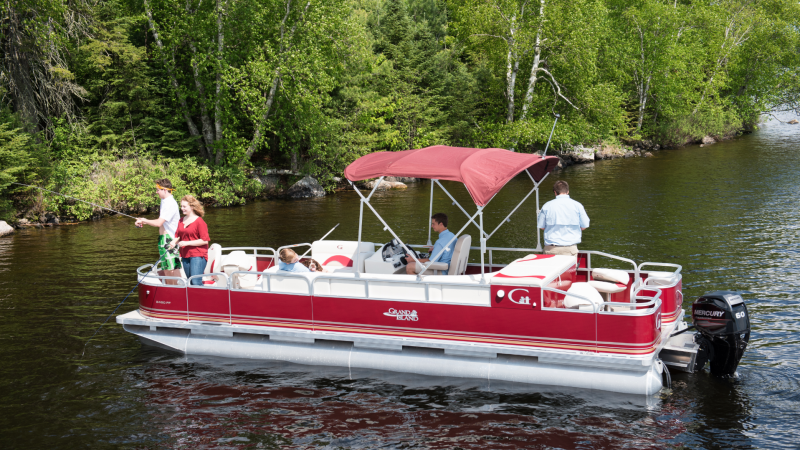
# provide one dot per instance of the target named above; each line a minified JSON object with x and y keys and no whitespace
{"x":100,"y":97}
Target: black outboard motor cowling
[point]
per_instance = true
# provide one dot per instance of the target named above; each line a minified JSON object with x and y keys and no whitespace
{"x":723,"y":322}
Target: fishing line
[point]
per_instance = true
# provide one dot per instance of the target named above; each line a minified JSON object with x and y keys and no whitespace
{"x":321,"y":239}
{"x":69,"y":196}
{"x":120,"y":304}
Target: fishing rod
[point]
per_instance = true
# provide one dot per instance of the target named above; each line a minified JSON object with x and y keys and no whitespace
{"x":169,"y":250}
{"x":69,"y":196}
{"x":551,"y":135}
{"x":322,"y":239}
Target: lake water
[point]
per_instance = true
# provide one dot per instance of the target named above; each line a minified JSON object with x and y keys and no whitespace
{"x":728,"y":213}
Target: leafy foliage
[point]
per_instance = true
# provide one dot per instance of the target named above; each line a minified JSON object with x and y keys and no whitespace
{"x":122,"y":92}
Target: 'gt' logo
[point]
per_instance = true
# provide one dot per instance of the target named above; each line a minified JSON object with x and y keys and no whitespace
{"x":523,"y":300}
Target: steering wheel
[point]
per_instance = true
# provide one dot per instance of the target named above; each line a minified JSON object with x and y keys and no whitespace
{"x":392,"y":248}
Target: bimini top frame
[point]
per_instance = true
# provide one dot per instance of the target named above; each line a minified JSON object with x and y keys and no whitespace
{"x":483,"y":171}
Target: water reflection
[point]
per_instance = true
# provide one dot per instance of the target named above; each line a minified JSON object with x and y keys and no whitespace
{"x":728,"y":213}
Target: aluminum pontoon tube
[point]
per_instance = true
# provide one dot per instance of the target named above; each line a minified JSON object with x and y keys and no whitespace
{"x":432,"y":362}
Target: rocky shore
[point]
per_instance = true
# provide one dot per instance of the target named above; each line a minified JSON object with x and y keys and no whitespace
{"x":580,"y":154}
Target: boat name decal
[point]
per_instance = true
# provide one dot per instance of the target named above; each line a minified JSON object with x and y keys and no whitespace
{"x":523,"y":300}
{"x":705,"y":312}
{"x":402,"y":314}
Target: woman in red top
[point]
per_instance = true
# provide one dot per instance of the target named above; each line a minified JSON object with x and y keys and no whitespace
{"x":192,"y":239}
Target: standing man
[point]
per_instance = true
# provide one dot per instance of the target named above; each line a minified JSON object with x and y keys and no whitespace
{"x":439,"y":225}
{"x":562,"y":220}
{"x":167,"y":223}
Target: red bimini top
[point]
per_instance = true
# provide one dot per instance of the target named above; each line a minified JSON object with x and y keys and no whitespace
{"x":484,"y":171}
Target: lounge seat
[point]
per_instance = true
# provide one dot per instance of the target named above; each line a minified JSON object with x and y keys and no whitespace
{"x":239,"y":261}
{"x":605,"y":288}
{"x":611,"y":275}
{"x":586,"y":290}
{"x":341,"y":256}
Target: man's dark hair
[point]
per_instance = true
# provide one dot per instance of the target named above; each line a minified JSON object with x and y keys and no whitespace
{"x":440,"y":218}
{"x":164,"y":183}
{"x":561,"y":187}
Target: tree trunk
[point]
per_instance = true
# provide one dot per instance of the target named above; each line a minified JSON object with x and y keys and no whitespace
{"x":257,"y":133}
{"x":643,"y":91}
{"x":537,"y":53}
{"x":275,"y":80}
{"x":511,"y":73}
{"x":217,"y":112}
{"x":208,"y":132}
{"x":193,"y":131}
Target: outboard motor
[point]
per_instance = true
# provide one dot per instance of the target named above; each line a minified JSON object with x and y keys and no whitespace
{"x":723,"y":323}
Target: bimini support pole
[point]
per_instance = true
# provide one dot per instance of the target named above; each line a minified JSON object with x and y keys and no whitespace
{"x":430,"y":213}
{"x":508,"y":217}
{"x":471,"y":219}
{"x":538,"y":211}
{"x":361,"y":219}
{"x":483,"y":245}
{"x":452,"y":241}
{"x":386,"y":227}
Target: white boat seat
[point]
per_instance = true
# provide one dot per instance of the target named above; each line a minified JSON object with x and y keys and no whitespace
{"x":341,"y":254}
{"x":239,"y":261}
{"x":611,"y":275}
{"x":608,"y":288}
{"x":458,"y":265}
{"x":214,"y":254}
{"x":660,"y":278}
{"x":584,"y":290}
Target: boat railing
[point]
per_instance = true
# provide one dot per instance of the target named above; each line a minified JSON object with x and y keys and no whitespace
{"x":154,"y":276}
{"x":267,"y":278}
{"x":643,"y":308}
{"x":589,"y":254}
{"x":255,"y":250}
{"x":675,"y":273}
{"x":595,"y":306}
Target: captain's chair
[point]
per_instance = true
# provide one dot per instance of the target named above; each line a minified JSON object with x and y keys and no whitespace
{"x":458,"y":264}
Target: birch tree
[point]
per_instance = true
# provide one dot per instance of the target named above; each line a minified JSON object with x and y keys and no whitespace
{"x":520,"y":28}
{"x":654,"y":32}
{"x":230,"y":61}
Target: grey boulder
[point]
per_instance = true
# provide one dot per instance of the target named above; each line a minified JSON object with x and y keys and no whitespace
{"x":308,"y":187}
{"x":5,"y":228}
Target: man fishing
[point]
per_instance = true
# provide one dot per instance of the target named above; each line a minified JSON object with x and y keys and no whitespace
{"x":167,"y":223}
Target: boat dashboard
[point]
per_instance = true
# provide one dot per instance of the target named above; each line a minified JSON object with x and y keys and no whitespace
{"x":390,"y":259}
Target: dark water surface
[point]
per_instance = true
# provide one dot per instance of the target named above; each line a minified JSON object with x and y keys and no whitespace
{"x":728,"y":213}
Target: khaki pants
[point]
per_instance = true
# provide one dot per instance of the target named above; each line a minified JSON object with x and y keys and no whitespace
{"x":572,"y":250}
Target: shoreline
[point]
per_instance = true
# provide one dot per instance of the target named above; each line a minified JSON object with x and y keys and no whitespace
{"x":281,"y":184}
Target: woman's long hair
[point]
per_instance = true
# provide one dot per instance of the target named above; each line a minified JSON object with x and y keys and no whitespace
{"x":195,"y":204}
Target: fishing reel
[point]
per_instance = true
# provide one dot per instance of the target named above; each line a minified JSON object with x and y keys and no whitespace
{"x":172,"y":250}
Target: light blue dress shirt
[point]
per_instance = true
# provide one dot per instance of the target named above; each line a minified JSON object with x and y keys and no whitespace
{"x":562,"y":220}
{"x":293,"y":267}
{"x":444,"y":239}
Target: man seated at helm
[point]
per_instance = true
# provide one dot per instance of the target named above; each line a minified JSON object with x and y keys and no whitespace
{"x":443,"y":244}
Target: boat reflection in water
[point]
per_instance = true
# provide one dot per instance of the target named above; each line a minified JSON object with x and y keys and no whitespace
{"x":595,"y":321}
{"x":246,"y":403}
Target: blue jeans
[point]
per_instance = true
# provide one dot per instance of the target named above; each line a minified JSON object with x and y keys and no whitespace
{"x":195,"y":265}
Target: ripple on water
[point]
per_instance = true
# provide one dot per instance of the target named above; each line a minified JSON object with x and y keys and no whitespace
{"x":728,"y":213}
